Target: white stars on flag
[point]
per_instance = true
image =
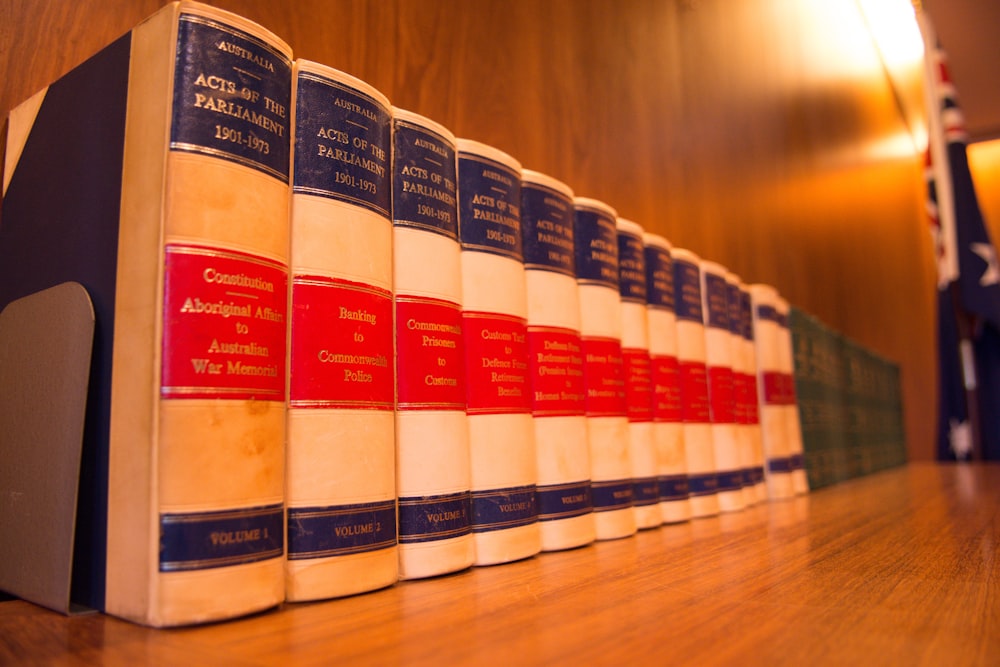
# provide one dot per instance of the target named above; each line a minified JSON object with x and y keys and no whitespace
{"x":991,"y":276}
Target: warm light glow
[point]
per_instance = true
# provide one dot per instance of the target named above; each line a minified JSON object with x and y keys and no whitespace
{"x":838,"y":46}
{"x":894,"y":146}
{"x":858,"y":41}
{"x":896,"y":33}
{"x":866,"y":45}
{"x":893,"y":25}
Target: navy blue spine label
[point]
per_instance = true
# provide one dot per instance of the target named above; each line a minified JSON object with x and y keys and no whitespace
{"x":735,"y":309}
{"x":796,"y":462}
{"x":704,"y":484}
{"x":342,"y":144}
{"x":596,"y":247}
{"x":674,"y":487}
{"x":611,"y":495}
{"x":424,"y":180}
{"x":659,"y":278}
{"x":780,"y":464}
{"x":489,"y":206}
{"x":757,"y":474}
{"x":731,"y":480}
{"x":687,"y":284}
{"x":746,"y":315}
{"x":429,"y":518}
{"x":716,"y":301}
{"x":497,"y":509}
{"x":204,"y":540}
{"x":319,"y":532}
{"x":232,"y":95}
{"x":769,"y":313}
{"x":564,"y":501}
{"x":631,"y":268}
{"x":645,"y":491}
{"x":547,"y":227}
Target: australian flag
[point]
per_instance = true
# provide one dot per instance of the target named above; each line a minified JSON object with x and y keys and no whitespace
{"x":968,"y":289}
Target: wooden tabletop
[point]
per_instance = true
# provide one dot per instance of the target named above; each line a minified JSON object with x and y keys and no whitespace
{"x":897,"y":568}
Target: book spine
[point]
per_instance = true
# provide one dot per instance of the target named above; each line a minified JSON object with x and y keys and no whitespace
{"x":835,"y":368}
{"x":555,"y":352}
{"x":638,"y":373}
{"x":340,"y":462}
{"x":756,"y":473}
{"x":809,"y":389}
{"x":203,"y":292}
{"x":771,"y":392}
{"x":738,"y":350}
{"x":668,"y":433}
{"x":865,"y":403}
{"x":852,"y":401}
{"x":691,"y":360}
{"x":895,"y":422}
{"x":719,"y":359}
{"x":432,"y":439}
{"x":494,"y":320}
{"x":596,"y":234}
{"x":790,"y":408}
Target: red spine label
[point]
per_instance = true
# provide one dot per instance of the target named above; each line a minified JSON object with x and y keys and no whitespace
{"x":740,"y":397}
{"x":666,"y":389}
{"x":430,"y":354}
{"x":341,"y":345}
{"x":496,"y":356}
{"x":694,"y":392}
{"x":774,"y":388}
{"x":638,"y":385}
{"x":604,"y":377}
{"x":720,"y":392}
{"x":223,"y":325}
{"x":753,"y":409}
{"x":555,"y":356}
{"x":789,"y":392}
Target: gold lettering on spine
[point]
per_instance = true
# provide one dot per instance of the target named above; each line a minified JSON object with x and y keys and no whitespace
{"x":227,"y":537}
{"x":358,"y":529}
{"x":498,"y":211}
{"x":249,"y":286}
{"x":446,"y":515}
{"x":238,"y":111}
{"x":340,"y":146}
{"x":430,"y":184}
{"x":246,"y":54}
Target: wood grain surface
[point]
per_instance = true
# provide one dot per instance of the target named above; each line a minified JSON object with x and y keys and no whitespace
{"x":762,"y":134}
{"x":896,"y":568}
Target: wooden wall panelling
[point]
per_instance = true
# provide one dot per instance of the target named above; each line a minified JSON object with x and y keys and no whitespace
{"x":762,"y":134}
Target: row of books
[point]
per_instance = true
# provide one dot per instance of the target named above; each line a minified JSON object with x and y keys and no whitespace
{"x":337,"y":346}
{"x":850,"y":404}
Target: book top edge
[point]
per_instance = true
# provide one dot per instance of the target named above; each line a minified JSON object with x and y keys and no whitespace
{"x":626,"y":226}
{"x":233,"y":19}
{"x":709,"y":266}
{"x":763,"y":292}
{"x":532,"y":177}
{"x":339,"y":76}
{"x":473,"y":147}
{"x":685,"y":255}
{"x":597,"y":204}
{"x":414,"y":118}
{"x":658,"y":241}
